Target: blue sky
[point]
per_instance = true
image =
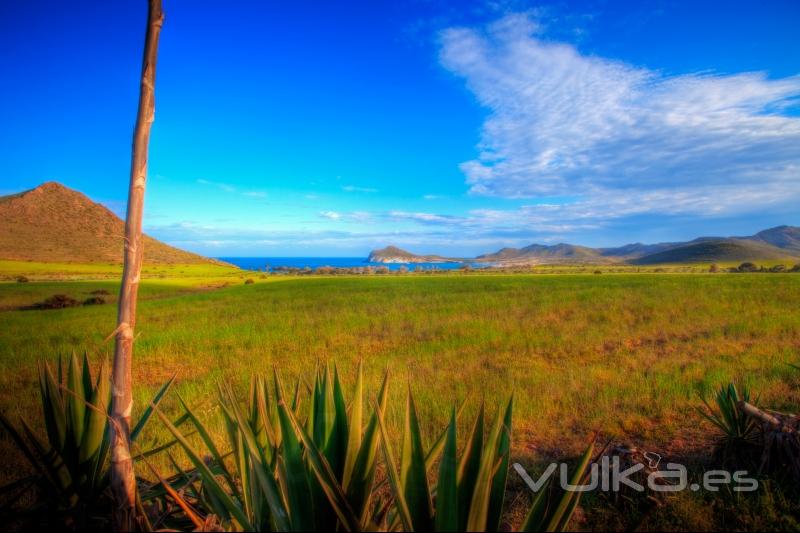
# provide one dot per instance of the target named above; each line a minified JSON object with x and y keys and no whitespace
{"x":322,"y":128}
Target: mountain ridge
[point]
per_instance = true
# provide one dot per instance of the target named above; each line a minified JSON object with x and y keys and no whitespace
{"x":779,"y":242}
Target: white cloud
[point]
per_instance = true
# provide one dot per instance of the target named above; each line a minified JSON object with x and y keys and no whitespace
{"x":330,"y":215}
{"x":353,"y":188}
{"x":622,"y":140}
{"x":353,"y":216}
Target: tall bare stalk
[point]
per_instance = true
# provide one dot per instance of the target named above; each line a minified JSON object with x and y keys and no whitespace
{"x":123,"y":480}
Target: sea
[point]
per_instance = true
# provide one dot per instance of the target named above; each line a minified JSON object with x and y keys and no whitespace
{"x":271,"y":263}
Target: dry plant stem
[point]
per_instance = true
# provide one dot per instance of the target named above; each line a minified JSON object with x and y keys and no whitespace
{"x":757,"y":414}
{"x":123,"y":480}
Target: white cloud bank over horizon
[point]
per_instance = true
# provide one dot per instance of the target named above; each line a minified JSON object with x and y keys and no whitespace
{"x":624,"y":140}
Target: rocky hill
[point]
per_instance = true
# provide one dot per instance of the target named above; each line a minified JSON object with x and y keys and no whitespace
{"x":53,"y":223}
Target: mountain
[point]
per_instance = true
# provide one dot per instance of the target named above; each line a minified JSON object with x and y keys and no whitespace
{"x":562,"y":252}
{"x":54,"y":223}
{"x":785,"y":237}
{"x":393,"y":254}
{"x":711,"y":250}
{"x":779,"y":243}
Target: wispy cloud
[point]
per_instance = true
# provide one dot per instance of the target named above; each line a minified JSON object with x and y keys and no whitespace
{"x":624,"y":140}
{"x":353,"y":216}
{"x":353,"y":188}
{"x":223,"y":186}
{"x":227,"y":187}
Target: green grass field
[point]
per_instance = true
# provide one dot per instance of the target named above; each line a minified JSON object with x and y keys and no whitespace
{"x":623,"y":354}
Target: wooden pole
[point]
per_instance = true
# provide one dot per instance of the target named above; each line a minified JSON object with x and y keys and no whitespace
{"x":123,"y":480}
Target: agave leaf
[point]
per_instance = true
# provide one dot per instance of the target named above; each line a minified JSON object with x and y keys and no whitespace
{"x":477,"y":519}
{"x":397,"y":488}
{"x":75,"y":402}
{"x":96,"y":429}
{"x":177,"y":498}
{"x":325,"y":475}
{"x":52,"y":407}
{"x":54,"y":465}
{"x":337,"y":449}
{"x":263,"y":472}
{"x":413,"y":476}
{"x":569,"y":501}
{"x":355,"y":428}
{"x":498,"y":489}
{"x":447,"y":486}
{"x":438,"y":445}
{"x":148,"y":412}
{"x":88,"y":388}
{"x":209,"y":480}
{"x":468,"y":469}
{"x":297,"y":486}
{"x":537,"y":514}
{"x":209,"y":442}
{"x":363,"y":476}
{"x":29,"y":454}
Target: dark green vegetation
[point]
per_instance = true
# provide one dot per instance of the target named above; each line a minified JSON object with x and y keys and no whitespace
{"x":625,"y":354}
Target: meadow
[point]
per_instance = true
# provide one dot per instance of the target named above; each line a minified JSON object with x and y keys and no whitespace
{"x":626,"y":355}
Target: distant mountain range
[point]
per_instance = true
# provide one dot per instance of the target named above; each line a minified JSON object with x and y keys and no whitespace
{"x":53,"y":223}
{"x":779,"y":243}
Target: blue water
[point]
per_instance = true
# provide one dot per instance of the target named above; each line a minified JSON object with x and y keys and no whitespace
{"x":271,"y":263}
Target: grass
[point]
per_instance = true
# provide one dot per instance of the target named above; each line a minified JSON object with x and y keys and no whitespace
{"x":625,"y":354}
{"x":11,"y":270}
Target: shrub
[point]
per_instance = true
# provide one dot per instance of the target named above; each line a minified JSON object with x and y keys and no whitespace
{"x":57,"y":301}
{"x":714,"y":268}
{"x":747,"y":267}
{"x":778,"y":268}
{"x":94,"y":300}
{"x":249,"y":281}
{"x":22,"y":279}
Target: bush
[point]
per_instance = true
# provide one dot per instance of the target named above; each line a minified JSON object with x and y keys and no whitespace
{"x":747,"y":267}
{"x":94,"y":300}
{"x":57,"y":301}
{"x":778,"y":268}
{"x":714,"y":268}
{"x":22,"y":279}
{"x":249,"y":281}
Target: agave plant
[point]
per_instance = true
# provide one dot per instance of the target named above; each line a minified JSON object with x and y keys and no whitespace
{"x":553,"y":507}
{"x":288,"y":474}
{"x":738,"y":433}
{"x":71,"y":461}
{"x":469,"y":491}
{"x":734,"y":425}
